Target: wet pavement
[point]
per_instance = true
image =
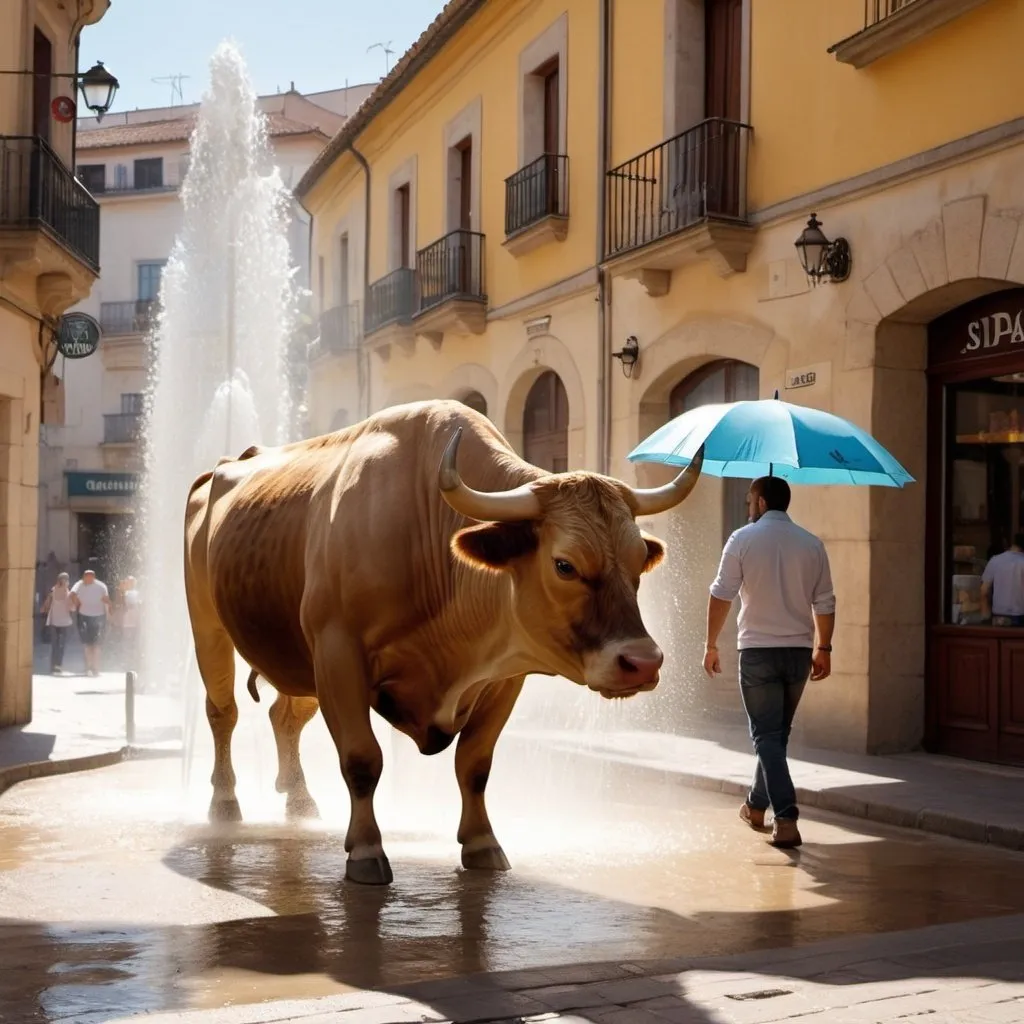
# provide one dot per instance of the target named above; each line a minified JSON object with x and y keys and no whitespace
{"x":116,"y":898}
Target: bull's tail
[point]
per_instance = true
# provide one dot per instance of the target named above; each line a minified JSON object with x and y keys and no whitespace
{"x":251,"y":686}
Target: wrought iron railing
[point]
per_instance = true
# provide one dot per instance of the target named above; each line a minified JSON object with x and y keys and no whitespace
{"x":37,"y":190}
{"x":697,"y":174}
{"x":538,"y":190}
{"x":452,"y":267}
{"x":122,"y":427}
{"x":878,"y":10}
{"x":390,"y":299}
{"x":136,"y":317}
{"x":341,"y":329}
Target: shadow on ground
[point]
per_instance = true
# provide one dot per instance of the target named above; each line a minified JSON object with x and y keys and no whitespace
{"x":514,"y":940}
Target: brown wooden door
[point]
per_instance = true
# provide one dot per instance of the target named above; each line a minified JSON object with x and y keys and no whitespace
{"x":42,"y":65}
{"x":723,"y":34}
{"x":549,"y":181}
{"x":466,"y":185}
{"x":404,"y":226}
{"x":1011,"y":702}
{"x":546,"y":424}
{"x":966,"y":675}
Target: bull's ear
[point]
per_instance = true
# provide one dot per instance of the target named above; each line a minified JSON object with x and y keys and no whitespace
{"x":494,"y":545}
{"x":655,"y":551}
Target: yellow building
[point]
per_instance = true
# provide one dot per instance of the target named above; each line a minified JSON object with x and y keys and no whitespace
{"x":550,"y":186}
{"x":49,"y":258}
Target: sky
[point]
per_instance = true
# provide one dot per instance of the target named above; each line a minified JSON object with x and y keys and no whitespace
{"x":315,"y":43}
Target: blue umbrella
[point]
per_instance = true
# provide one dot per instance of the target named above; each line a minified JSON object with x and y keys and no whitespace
{"x":769,"y":437}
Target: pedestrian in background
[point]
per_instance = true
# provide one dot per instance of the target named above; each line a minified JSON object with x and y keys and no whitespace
{"x":57,"y":607}
{"x":91,"y":600}
{"x":787,"y":614}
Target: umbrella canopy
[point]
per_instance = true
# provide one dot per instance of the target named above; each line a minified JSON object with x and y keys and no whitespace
{"x":769,"y":437}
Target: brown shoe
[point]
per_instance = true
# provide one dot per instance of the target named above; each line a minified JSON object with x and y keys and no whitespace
{"x":785,"y":834}
{"x":754,"y":818}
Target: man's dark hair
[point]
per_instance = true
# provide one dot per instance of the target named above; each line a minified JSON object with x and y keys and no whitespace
{"x":774,"y":490}
{"x":1018,"y":541}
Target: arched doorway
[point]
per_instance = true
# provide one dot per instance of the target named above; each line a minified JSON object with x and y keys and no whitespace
{"x":725,"y":380}
{"x":475,"y":401}
{"x":546,"y":424}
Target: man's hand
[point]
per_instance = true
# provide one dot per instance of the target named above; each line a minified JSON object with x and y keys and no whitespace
{"x":821,"y":665}
{"x":712,"y":663}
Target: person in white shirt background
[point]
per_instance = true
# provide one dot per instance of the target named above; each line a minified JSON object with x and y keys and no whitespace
{"x":57,"y":608}
{"x":1002,"y":586}
{"x":787,"y":614}
{"x":91,"y":600}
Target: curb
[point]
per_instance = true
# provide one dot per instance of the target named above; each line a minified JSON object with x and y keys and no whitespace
{"x":15,"y":773}
{"x":932,"y":820}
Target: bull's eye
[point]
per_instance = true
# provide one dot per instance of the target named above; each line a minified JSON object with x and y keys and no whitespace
{"x":565,"y":569}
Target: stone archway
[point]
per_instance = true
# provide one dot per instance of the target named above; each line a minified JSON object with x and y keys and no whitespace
{"x":469,"y":379}
{"x":967,"y":251}
{"x":537,"y":357}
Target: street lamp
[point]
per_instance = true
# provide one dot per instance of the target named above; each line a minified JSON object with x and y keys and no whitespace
{"x":628,"y":355}
{"x":98,"y":85}
{"x":821,"y":259}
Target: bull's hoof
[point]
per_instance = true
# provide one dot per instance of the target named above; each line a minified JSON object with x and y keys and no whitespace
{"x":485,"y":858}
{"x":301,"y":807}
{"x":369,"y":871}
{"x":224,"y":811}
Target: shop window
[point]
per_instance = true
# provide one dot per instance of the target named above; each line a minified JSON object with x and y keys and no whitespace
{"x":722,"y":381}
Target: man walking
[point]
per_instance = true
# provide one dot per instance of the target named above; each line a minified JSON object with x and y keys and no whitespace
{"x":787,"y":613}
{"x":92,"y":602}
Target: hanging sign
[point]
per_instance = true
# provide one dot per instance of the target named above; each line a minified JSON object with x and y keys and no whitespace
{"x":63,"y":109}
{"x":79,"y":335}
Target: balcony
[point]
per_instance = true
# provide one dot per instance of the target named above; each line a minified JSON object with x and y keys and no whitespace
{"x":341,"y":330}
{"x":49,"y":224}
{"x":679,"y":202}
{"x":450,"y":274}
{"x":121,"y":319}
{"x":890,"y":25}
{"x":537,"y":204}
{"x":390,"y":304}
{"x":122,"y":427}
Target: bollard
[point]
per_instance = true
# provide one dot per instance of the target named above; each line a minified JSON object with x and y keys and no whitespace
{"x":129,"y":708}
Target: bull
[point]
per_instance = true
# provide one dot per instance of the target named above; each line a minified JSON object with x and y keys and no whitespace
{"x":357,"y":571}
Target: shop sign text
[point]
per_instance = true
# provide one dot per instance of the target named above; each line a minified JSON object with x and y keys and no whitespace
{"x":102,"y":485}
{"x":991,"y":332}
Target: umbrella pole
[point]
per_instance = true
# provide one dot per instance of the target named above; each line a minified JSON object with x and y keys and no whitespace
{"x":771,"y":469}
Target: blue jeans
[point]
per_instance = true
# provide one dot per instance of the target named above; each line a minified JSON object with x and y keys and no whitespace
{"x":772,"y":680}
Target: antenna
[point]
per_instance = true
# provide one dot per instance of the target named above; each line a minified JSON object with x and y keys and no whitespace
{"x":388,"y":54}
{"x":177,"y":96}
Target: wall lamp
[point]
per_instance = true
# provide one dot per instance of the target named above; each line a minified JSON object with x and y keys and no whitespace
{"x":823,"y":260}
{"x":628,"y":355}
{"x":98,"y":86}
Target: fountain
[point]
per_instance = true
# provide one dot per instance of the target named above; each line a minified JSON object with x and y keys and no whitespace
{"x":228,"y":307}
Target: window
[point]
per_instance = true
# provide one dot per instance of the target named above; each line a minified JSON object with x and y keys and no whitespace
{"x":475,"y":401}
{"x":150,"y":275}
{"x":93,"y":177}
{"x":464,"y":162}
{"x":149,"y":173}
{"x":133,"y":403}
{"x":543,"y":94}
{"x":722,"y":381}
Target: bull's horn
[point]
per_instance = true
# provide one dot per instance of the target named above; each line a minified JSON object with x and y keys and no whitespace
{"x":498,"y":506}
{"x":661,"y":499}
